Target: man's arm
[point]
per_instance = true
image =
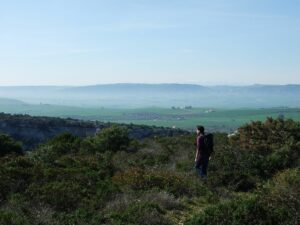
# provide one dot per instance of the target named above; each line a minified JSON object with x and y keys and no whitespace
{"x":197,"y":155}
{"x":197,"y":149}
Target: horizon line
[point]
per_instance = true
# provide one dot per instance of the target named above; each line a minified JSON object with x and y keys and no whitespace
{"x":146,"y":83}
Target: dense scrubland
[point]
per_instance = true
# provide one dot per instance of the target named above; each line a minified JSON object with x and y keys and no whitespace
{"x":111,"y":178}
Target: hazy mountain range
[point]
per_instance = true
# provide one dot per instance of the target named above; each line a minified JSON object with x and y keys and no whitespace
{"x":163,"y":95}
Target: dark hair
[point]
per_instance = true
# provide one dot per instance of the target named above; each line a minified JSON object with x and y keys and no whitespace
{"x":201,"y":129}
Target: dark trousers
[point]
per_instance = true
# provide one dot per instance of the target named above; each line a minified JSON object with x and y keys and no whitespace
{"x":201,"y":165}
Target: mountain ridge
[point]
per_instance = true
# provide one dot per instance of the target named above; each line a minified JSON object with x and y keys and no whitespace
{"x":165,"y":94}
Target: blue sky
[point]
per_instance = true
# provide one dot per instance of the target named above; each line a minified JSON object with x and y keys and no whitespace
{"x":80,"y":42}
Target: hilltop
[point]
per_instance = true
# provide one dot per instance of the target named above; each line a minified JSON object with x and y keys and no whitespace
{"x":8,"y":101}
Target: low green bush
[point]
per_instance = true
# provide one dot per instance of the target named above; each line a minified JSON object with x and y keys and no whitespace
{"x":8,"y":217}
{"x":80,"y":217}
{"x":175,"y":183}
{"x":16,"y":174}
{"x":9,"y":146}
{"x":60,"y":145}
{"x":114,"y":138}
{"x":276,"y":204}
{"x":139,"y":214}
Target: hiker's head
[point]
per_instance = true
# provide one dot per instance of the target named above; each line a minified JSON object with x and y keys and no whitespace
{"x":200,"y":130}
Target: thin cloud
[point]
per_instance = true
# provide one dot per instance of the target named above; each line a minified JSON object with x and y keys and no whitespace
{"x":245,"y":15}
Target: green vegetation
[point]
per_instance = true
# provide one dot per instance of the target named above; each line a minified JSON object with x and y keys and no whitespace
{"x":32,"y":131}
{"x":219,"y":119}
{"x":9,"y":146}
{"x":109,"y":178}
{"x":278,"y":203}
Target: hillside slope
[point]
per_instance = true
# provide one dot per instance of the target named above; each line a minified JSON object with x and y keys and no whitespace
{"x":110,"y":179}
{"x":32,"y":131}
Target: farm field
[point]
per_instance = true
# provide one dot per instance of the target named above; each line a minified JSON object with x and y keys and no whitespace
{"x":215,"y":119}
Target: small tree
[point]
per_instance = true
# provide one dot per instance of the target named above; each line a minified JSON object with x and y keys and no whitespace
{"x":114,"y":138}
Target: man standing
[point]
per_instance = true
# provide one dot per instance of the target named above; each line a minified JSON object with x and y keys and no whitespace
{"x":202,"y":156}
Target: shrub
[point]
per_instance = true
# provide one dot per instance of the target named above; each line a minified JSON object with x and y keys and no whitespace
{"x":238,"y":212}
{"x":139,"y":214}
{"x":282,"y":196}
{"x":243,"y":170}
{"x":277,"y":204}
{"x":74,"y":181}
{"x":16,"y":211}
{"x":264,"y":137}
{"x":164,"y":199}
{"x":16,"y":174}
{"x":283,"y":158}
{"x":80,"y":217}
{"x":60,"y":145}
{"x":63,"y":195}
{"x":114,"y":138}
{"x":9,"y":146}
{"x":175,"y":183}
{"x":237,"y":170}
{"x":8,"y":217}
